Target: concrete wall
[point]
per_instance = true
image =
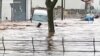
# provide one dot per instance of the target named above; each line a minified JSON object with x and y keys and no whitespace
{"x":96,"y":4}
{"x":74,"y":4}
{"x":6,"y":9}
{"x":69,"y":4}
{"x":28,"y":9}
{"x":38,"y":3}
{"x":41,"y":3}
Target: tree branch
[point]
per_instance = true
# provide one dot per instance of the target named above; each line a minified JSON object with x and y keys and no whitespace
{"x":54,"y":3}
{"x":48,"y":2}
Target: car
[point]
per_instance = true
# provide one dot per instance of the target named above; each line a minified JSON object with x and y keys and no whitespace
{"x":40,"y":15}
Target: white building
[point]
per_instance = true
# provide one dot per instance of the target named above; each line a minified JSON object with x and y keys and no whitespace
{"x":96,"y":4}
{"x":15,"y":9}
{"x":69,"y":4}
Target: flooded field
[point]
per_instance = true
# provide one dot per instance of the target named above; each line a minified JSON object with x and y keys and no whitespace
{"x":72,"y":38}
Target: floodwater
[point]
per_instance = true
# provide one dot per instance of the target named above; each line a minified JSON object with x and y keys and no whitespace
{"x":72,"y":38}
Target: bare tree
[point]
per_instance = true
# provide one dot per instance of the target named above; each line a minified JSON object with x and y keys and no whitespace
{"x":50,"y":4}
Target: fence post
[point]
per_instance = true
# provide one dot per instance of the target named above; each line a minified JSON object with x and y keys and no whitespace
{"x":94,"y":45}
{"x":3,"y":44}
{"x":63,"y":45}
{"x":33,"y":44}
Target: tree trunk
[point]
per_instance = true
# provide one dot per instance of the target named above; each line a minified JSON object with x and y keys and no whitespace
{"x":50,"y":6}
{"x":50,"y":20}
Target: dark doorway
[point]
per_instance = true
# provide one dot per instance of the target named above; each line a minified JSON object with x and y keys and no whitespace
{"x":19,"y":10}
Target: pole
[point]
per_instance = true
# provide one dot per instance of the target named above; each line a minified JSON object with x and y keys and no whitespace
{"x":64,"y":8}
{"x":31,"y":12}
{"x":31,"y":8}
{"x":3,"y":44}
{"x":61,"y":9}
{"x":64,"y":3}
{"x":94,"y":45}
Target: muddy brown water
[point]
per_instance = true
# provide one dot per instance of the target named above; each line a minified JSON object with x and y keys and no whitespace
{"x":78,"y":41}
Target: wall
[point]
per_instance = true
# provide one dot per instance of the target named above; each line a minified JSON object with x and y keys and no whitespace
{"x":69,"y":13}
{"x":28,"y":9}
{"x":96,"y":4}
{"x":41,"y":3}
{"x":38,"y":3}
{"x":74,"y":4}
{"x":6,"y":9}
{"x":69,"y":4}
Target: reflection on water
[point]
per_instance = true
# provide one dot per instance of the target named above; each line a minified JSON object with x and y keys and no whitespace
{"x":51,"y":44}
{"x":4,"y":53}
{"x":46,"y":48}
{"x":50,"y":41}
{"x":25,"y":48}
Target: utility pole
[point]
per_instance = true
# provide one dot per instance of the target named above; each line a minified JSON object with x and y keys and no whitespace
{"x":61,"y":9}
{"x":64,"y":3}
{"x":31,"y":9}
{"x":64,"y":8}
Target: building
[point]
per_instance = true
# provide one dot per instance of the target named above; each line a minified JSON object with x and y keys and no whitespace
{"x":15,"y":10}
{"x":69,"y":4}
{"x":96,"y":4}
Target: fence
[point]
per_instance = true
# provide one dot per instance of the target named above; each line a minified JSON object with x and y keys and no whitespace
{"x":50,"y":41}
{"x":69,"y":13}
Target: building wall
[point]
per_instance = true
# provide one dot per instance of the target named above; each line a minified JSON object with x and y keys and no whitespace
{"x":6,"y":9}
{"x":74,"y":4}
{"x":96,"y":4}
{"x":28,"y":9}
{"x":38,"y":3}
{"x":69,"y":4}
{"x":41,"y":3}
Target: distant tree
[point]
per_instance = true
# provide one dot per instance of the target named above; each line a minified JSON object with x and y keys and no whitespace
{"x":50,"y":4}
